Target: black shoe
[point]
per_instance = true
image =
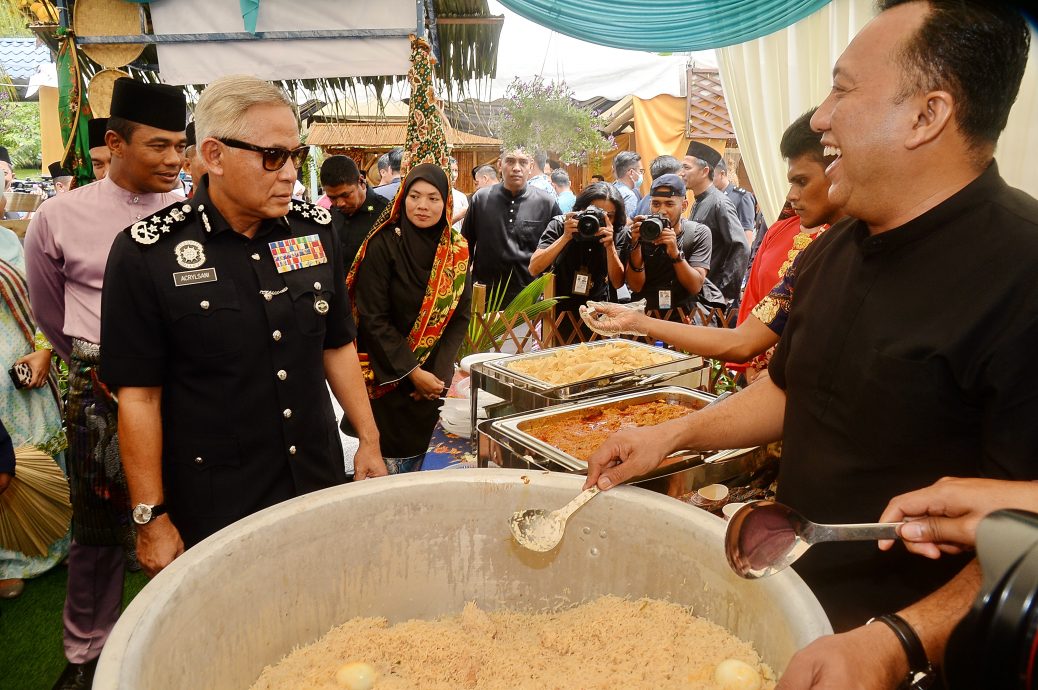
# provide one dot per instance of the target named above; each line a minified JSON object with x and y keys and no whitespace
{"x":77,"y":676}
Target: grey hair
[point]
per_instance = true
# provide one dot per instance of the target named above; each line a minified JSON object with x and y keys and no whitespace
{"x":221,"y":111}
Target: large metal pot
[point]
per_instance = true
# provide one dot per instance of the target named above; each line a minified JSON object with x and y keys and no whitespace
{"x":419,"y":546}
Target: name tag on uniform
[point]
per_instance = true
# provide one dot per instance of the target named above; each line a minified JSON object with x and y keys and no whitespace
{"x":199,"y":275}
{"x":664,"y":299}
{"x":298,"y":252}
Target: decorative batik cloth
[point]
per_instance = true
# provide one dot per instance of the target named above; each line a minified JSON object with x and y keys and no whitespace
{"x":31,"y":415}
{"x":426,"y":143}
{"x":773,"y":310}
{"x":100,"y":498}
{"x":74,"y":111}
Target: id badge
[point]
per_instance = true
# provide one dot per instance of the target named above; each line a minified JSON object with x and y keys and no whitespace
{"x":582,"y":283}
{"x":664,"y":299}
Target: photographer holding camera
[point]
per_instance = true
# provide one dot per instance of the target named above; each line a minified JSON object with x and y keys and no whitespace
{"x":582,"y":248}
{"x":668,"y":257}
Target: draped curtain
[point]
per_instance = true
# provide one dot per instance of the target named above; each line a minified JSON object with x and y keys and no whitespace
{"x":769,"y":81}
{"x":665,"y":25}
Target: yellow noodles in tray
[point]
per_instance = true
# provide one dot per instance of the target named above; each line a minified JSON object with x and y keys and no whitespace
{"x":586,"y":362}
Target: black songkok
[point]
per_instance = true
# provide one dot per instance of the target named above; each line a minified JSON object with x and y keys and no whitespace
{"x":157,"y":105}
{"x":703,"y":153}
{"x":57,"y":171}
{"x":97,"y":127}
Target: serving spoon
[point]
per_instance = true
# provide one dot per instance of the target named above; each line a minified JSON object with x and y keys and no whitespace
{"x":539,"y":530}
{"x":765,"y":537}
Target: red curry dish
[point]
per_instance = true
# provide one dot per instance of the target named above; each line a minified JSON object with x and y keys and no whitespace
{"x":581,"y":434}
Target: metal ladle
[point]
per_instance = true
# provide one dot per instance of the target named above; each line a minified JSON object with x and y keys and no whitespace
{"x":764,"y":537}
{"x":539,"y":530}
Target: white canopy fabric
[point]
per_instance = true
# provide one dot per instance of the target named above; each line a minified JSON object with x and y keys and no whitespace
{"x":201,"y":63}
{"x":46,"y":75}
{"x":528,"y":50}
{"x":770,"y":81}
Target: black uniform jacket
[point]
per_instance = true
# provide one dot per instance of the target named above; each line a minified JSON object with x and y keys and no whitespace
{"x":236,"y":345}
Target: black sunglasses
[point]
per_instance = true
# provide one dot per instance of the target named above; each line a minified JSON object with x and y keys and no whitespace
{"x":273,"y":157}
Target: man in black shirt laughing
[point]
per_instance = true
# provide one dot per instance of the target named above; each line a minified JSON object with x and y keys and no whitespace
{"x":899,"y":364}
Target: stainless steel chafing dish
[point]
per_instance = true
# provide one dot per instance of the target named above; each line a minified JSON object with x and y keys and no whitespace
{"x":522,"y":393}
{"x":504,"y":442}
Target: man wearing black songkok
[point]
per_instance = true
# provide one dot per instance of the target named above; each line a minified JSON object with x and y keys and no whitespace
{"x":66,"y":249}
{"x":100,"y":156}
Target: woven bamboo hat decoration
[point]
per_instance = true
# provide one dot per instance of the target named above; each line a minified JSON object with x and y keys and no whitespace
{"x":99,"y":91}
{"x":109,"y":18}
{"x":35,"y":510}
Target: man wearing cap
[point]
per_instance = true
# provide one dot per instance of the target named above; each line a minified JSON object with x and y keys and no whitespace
{"x":59,"y":177}
{"x":223,"y":318}
{"x":356,"y":204}
{"x":100,"y":156}
{"x":730,"y":251}
{"x":669,"y":270}
{"x":745,"y":204}
{"x":66,"y":247}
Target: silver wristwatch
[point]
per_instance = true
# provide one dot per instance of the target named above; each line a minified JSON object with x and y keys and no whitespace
{"x":144,"y":513}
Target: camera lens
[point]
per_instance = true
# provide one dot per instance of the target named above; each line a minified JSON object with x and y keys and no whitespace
{"x":590,"y":222}
{"x":652,"y":227}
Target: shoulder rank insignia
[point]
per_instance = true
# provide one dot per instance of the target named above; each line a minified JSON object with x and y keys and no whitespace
{"x":150,"y":229}
{"x":317,"y":214}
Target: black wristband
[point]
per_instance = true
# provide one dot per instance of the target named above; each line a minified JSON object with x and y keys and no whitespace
{"x":677,"y":260}
{"x":920,"y":672}
{"x":636,"y":269}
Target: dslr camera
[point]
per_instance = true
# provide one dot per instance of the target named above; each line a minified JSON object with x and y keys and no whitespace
{"x":589,"y":222}
{"x":652,"y":227}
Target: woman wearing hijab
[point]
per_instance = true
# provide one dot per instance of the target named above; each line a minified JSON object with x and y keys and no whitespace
{"x":411,"y":294}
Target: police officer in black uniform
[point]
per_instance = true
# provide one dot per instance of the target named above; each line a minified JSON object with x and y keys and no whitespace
{"x":222,"y":317}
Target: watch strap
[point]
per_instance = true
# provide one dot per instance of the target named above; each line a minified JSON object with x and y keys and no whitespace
{"x":920,"y":671}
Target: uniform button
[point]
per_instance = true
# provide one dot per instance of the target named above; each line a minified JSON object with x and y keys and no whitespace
{"x":199,"y":461}
{"x":291,"y":450}
{"x":282,"y":374}
{"x":255,"y":257}
{"x":287,"y":413}
{"x":276,"y":335}
{"x":204,"y":304}
{"x":267,"y":296}
{"x":317,"y":286}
